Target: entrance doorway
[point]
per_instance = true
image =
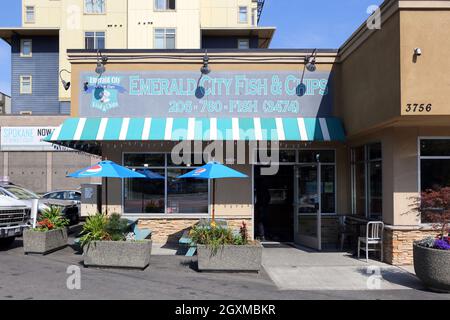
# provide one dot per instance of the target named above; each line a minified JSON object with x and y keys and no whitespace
{"x":290,"y":205}
{"x":274,"y":194}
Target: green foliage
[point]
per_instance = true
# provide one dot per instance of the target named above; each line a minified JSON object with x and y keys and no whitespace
{"x":94,"y":229}
{"x":427,"y":242}
{"x":215,"y":237}
{"x":51,"y":219}
{"x":116,"y":227}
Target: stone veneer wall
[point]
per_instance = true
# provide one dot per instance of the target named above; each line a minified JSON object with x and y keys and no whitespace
{"x":170,"y":230}
{"x":398,"y":244}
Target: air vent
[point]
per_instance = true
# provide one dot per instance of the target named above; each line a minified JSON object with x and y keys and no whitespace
{"x":26,"y":113}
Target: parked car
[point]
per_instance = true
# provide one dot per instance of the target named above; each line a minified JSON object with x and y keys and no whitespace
{"x":69,"y":209}
{"x":67,"y":198}
{"x":14,"y":219}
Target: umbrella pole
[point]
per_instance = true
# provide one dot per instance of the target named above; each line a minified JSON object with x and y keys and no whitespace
{"x":106,"y":194}
{"x":214,"y":201}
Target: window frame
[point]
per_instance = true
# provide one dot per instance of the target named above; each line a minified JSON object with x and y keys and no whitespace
{"x":22,"y":42}
{"x":165,"y":214}
{"x":243,"y":39}
{"x":95,"y":39}
{"x":26,"y":14}
{"x":367,"y":191}
{"x":239,"y":15}
{"x":94,"y":13}
{"x":22,"y":92}
{"x":167,"y":9}
{"x":419,"y":167}
{"x":165,"y":37}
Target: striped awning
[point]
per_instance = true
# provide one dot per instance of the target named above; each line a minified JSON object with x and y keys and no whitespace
{"x":202,"y":129}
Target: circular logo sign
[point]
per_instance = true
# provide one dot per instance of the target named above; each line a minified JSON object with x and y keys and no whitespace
{"x":92,"y":170}
{"x":199,"y":171}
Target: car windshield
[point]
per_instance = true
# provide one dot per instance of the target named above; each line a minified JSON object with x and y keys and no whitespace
{"x":21,"y":194}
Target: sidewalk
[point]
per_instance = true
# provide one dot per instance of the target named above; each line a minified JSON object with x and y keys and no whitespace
{"x":294,"y":268}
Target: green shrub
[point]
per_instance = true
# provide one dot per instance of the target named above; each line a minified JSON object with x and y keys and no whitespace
{"x":116,"y":227}
{"x":94,"y":229}
{"x":51,"y":219}
{"x":215,"y":237}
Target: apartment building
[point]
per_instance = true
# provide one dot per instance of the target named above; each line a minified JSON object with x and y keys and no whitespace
{"x":40,"y":67}
{"x":5,"y":103}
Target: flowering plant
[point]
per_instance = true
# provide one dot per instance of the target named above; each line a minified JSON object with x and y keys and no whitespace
{"x":51,"y":219}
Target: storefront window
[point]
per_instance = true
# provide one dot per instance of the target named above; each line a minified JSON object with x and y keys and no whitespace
{"x":434,"y":165}
{"x":167,"y":195}
{"x":367,"y":181}
{"x":312,"y":156}
{"x":186,"y":195}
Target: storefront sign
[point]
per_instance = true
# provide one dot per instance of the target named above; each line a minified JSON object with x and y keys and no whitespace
{"x":26,"y":139}
{"x":219,"y":94}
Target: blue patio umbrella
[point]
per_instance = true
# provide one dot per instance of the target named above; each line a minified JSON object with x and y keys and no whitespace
{"x":106,"y":169}
{"x":212,"y":171}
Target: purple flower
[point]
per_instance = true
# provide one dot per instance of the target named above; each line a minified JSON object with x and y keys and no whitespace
{"x":442,"y":245}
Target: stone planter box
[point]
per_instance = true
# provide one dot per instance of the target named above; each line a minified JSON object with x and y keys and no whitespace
{"x":118,"y":254}
{"x":431,"y":266}
{"x":44,"y":242}
{"x":230,"y":258}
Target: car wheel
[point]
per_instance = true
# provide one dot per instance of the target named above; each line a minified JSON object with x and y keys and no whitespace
{"x":6,"y":242}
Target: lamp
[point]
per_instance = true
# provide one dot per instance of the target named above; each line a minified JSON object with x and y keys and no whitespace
{"x":101,"y":61}
{"x":66,"y":84}
{"x":310,"y":61}
{"x":205,"y":68}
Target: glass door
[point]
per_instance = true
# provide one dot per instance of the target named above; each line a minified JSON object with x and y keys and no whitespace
{"x":307,"y":206}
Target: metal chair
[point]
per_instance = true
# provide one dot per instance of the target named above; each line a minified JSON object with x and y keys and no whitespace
{"x":374,"y":237}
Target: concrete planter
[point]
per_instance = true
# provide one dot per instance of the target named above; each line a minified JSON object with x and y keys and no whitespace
{"x":230,"y":258}
{"x":431,"y":266}
{"x":118,"y":254}
{"x":44,"y":242}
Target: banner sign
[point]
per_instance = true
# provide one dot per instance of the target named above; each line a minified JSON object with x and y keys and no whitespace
{"x":219,"y":94}
{"x":27,"y":139}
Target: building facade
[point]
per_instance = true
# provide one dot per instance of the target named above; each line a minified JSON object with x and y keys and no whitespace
{"x":384,"y":87}
{"x":5,"y":104}
{"x":50,"y":27}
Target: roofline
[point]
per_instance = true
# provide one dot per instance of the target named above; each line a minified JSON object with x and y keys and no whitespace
{"x":4,"y":94}
{"x":202,"y":51}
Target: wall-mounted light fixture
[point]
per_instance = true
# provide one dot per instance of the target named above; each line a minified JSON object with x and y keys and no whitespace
{"x":66,"y":84}
{"x":101,"y":61}
{"x":417,"y":51}
{"x":310,"y":61}
{"x":205,"y":68}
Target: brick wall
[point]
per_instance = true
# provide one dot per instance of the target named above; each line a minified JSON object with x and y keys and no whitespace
{"x":170,"y":230}
{"x":398,"y":245}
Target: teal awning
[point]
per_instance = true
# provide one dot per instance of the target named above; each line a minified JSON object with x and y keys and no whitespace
{"x":202,"y":129}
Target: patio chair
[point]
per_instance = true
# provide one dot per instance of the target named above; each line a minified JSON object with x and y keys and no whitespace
{"x":373,"y":237}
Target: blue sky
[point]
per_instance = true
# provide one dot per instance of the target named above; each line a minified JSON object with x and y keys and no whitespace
{"x":300,"y":24}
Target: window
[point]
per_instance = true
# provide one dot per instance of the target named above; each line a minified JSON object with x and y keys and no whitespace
{"x":95,"y":6}
{"x":367,"y":200}
{"x":26,"y":84}
{"x":254,"y":17}
{"x":163,"y":5}
{"x":25,"y":48}
{"x":94,"y":40}
{"x":243,"y":15}
{"x":434,"y":166}
{"x":164,"y":39}
{"x":163,"y":196}
{"x":29,"y":14}
{"x":243,"y":44}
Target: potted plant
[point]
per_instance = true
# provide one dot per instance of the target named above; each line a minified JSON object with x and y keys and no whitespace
{"x":432,"y":254}
{"x":107,"y":241}
{"x":220,"y":249}
{"x":49,"y":235}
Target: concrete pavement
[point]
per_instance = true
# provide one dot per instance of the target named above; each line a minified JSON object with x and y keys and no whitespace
{"x":168,"y":277}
